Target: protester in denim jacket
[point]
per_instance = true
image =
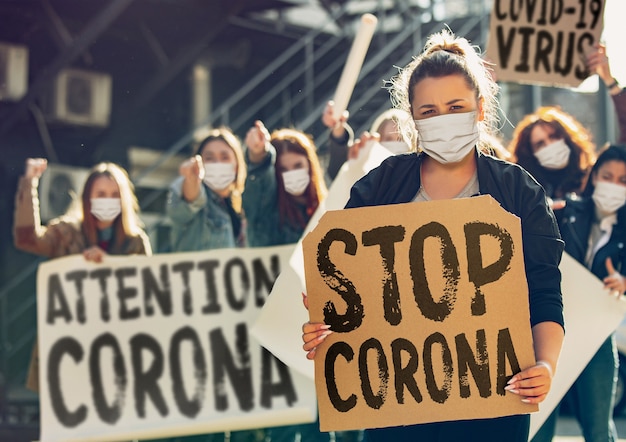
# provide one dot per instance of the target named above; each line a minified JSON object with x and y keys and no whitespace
{"x":284,"y":187}
{"x":204,"y":203}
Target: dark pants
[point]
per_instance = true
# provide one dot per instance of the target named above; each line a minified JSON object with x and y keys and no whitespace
{"x":509,"y":429}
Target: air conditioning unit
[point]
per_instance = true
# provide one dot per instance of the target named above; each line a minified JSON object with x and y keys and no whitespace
{"x":13,"y":71}
{"x":59,"y":186}
{"x":80,"y":97}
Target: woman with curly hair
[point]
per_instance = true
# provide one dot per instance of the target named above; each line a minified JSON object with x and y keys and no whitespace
{"x":555,"y":148}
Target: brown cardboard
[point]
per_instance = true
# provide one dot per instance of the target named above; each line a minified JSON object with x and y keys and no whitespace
{"x":362,"y":269}
{"x":543,"y":41}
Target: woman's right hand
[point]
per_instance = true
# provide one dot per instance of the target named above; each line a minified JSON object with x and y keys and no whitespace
{"x":333,"y":122}
{"x":360,"y":143}
{"x":94,"y":254}
{"x":192,"y":168}
{"x":257,"y":138}
{"x":35,"y":167}
{"x":313,"y":333}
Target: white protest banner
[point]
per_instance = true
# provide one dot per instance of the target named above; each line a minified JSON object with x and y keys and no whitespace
{"x":428,"y":303}
{"x":147,"y":347}
{"x":544,"y":41}
{"x":280,"y":333}
{"x":591,"y":315}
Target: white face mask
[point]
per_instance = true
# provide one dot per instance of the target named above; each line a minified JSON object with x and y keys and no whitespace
{"x":296,"y":181}
{"x":554,"y":156}
{"x":395,"y":147}
{"x":106,"y":209}
{"x":218,"y":176}
{"x":448,"y":138}
{"x":609,"y":197}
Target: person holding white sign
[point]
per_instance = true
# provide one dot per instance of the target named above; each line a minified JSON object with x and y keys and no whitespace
{"x":451,"y":97}
{"x":204,"y":203}
{"x":105,"y":222}
{"x":594,"y":229}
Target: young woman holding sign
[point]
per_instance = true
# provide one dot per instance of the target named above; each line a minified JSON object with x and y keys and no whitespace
{"x":451,"y":96}
{"x":106,"y":222}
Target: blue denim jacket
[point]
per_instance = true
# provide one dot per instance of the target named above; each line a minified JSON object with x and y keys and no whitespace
{"x":202,"y":224}
{"x":260,"y":202}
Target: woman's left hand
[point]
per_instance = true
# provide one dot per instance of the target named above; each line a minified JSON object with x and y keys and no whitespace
{"x":615,"y":281}
{"x":94,"y":254}
{"x":532,"y":384}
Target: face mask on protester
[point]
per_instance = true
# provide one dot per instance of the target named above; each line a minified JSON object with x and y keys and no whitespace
{"x":609,"y":197}
{"x":296,"y":181}
{"x":448,"y":138}
{"x":395,"y":147}
{"x":106,"y":209}
{"x":218,"y":176}
{"x":554,"y":156}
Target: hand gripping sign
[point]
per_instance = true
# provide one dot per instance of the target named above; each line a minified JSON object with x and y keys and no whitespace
{"x":429,"y":307}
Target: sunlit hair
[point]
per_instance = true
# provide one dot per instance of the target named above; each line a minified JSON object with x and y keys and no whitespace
{"x":566,"y":127}
{"x":127,"y":224}
{"x":494,"y":147}
{"x":227,"y":136}
{"x":399,"y":117}
{"x":609,"y":152}
{"x":295,"y":141}
{"x":445,"y":54}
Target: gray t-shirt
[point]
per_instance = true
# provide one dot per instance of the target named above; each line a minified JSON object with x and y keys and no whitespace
{"x":471,"y":188}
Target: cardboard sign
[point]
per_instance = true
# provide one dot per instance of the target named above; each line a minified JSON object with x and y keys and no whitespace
{"x":150,"y":347}
{"x":429,"y":307}
{"x":543,"y":41}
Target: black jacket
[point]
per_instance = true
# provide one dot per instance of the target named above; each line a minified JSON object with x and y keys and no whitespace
{"x":576,"y":221}
{"x":397,"y":180}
